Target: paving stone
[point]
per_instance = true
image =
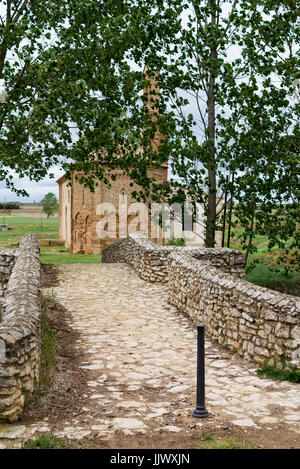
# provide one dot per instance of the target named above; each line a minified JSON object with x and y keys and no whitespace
{"x":269,"y":420}
{"x":128,"y":423}
{"x":172,"y":428}
{"x":244,"y":422}
{"x":11,"y":431}
{"x":138,"y":334}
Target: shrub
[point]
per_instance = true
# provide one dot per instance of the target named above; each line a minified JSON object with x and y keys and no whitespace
{"x":177,"y":242}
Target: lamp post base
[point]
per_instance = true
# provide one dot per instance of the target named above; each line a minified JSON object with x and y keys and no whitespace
{"x":200,"y":413}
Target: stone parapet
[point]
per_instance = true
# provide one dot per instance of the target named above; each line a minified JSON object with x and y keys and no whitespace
{"x":151,"y":260}
{"x":260,"y":324}
{"x":7,"y":261}
{"x":20,"y":329}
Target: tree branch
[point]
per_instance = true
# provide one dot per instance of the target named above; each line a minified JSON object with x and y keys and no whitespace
{"x":18,"y":12}
{"x":229,"y":17}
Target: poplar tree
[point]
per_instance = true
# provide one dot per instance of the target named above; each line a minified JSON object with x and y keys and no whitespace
{"x":227,"y":73}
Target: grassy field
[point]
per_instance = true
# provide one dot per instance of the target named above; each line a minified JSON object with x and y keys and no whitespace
{"x":48,"y":258}
{"x":263,"y":273}
{"x":46,"y":228}
{"x":266,"y":277}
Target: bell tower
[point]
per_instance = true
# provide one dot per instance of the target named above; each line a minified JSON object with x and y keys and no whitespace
{"x":151,"y":105}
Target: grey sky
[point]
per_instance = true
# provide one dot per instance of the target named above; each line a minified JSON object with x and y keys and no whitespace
{"x":36,"y":190}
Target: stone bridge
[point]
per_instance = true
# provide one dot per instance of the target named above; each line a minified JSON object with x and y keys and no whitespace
{"x":139,"y":352}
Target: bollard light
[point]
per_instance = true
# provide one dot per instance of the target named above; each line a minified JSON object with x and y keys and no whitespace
{"x":2,"y":91}
{"x":200,"y":410}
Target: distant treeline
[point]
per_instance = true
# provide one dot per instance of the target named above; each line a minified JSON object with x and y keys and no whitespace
{"x":9,"y":206}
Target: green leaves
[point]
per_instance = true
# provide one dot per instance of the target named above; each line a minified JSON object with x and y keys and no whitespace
{"x":49,"y":204}
{"x":74,"y":72}
{"x":219,"y":112}
{"x":56,"y":59}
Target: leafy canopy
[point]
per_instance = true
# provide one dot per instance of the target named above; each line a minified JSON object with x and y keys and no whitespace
{"x":58,"y":61}
{"x":74,"y":73}
{"x":226,"y":108}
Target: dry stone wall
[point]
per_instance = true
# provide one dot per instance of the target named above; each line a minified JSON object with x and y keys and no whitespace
{"x":7,"y":261}
{"x":20,"y":328}
{"x":151,"y":260}
{"x":261,"y":325}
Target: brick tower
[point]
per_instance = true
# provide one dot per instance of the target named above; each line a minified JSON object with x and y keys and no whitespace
{"x":79,"y":214}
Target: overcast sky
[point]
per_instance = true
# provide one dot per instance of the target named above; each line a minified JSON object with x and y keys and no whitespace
{"x":36,"y":190}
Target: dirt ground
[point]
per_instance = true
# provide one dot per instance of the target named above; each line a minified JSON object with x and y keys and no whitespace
{"x":69,"y":394}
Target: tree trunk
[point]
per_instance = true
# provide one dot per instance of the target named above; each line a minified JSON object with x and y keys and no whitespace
{"x":212,"y":189}
{"x":251,"y":233}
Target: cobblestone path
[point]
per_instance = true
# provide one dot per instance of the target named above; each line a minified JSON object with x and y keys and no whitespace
{"x":141,"y":356}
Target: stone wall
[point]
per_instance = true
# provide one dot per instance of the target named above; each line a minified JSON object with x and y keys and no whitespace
{"x":259,"y":324}
{"x":151,"y":260}
{"x":7,"y":261}
{"x":20,"y":329}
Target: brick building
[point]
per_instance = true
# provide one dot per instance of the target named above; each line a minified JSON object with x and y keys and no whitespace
{"x":79,"y":214}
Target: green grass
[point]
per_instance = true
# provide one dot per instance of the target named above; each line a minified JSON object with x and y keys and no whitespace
{"x":49,"y":341}
{"x":14,"y":220}
{"x":176,"y":242}
{"x":70,"y":258}
{"x":260,"y":242}
{"x":48,"y":353}
{"x":221,"y":443}
{"x":263,"y":272}
{"x":266,"y":371}
{"x":48,"y":229}
{"x":54,"y":249}
{"x":44,"y":442}
{"x":264,"y":276}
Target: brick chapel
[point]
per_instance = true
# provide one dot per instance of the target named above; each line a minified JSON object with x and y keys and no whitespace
{"x":78,"y":216}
